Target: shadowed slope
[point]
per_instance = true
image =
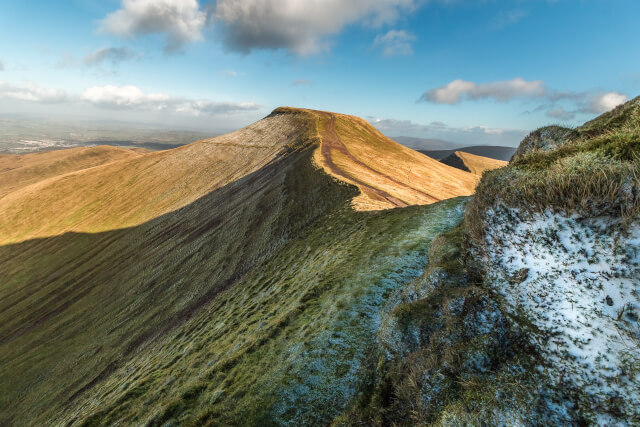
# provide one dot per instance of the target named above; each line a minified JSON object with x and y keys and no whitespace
{"x":127,"y":193}
{"x":74,"y":307}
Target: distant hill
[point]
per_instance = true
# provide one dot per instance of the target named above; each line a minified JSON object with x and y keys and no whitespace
{"x":425,"y":143}
{"x":472,"y":163}
{"x":491,"y":151}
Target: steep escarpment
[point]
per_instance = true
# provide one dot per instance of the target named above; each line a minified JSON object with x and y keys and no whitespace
{"x":528,"y":312}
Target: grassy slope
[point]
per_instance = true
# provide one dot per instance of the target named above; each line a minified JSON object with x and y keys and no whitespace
{"x":407,"y":175}
{"x":456,"y":352}
{"x":17,"y":171}
{"x":130,"y":192}
{"x":293,"y":342}
{"x":478,"y":164}
{"x":161,"y":312}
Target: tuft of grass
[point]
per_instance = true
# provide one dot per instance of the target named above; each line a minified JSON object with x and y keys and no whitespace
{"x":595,"y":173}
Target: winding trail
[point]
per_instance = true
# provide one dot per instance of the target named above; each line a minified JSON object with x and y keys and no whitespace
{"x":332,"y":142}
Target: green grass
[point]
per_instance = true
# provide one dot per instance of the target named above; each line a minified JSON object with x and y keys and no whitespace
{"x":291,"y":341}
{"x":595,"y":172}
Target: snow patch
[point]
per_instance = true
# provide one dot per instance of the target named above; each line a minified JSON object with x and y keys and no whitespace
{"x":577,"y":286}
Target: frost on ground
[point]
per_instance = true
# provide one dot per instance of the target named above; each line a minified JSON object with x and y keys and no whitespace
{"x":575,"y":284}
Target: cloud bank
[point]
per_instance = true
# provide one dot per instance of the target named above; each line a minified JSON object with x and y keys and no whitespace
{"x":180,"y":21}
{"x":132,"y":97}
{"x":30,"y":91}
{"x":299,"y":26}
{"x":503,"y":91}
{"x":124,"y":98}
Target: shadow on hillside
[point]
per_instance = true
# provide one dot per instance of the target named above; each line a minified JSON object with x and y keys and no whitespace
{"x":74,"y":307}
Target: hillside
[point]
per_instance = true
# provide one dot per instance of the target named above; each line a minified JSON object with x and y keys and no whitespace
{"x":472,"y":163}
{"x":17,"y":171}
{"x":171,"y":284}
{"x":533,"y":298}
{"x":257,"y":278}
{"x":387,"y":174}
{"x":491,"y":151}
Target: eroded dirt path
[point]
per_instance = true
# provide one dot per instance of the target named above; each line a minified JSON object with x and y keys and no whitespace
{"x":332,"y":142}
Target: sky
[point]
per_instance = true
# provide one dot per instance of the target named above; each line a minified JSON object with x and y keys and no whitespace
{"x":467,"y":71}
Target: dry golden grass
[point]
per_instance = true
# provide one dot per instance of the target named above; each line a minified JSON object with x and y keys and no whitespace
{"x":478,"y":164}
{"x":20,"y":170}
{"x":109,"y":188}
{"x":388,"y":174}
{"x":131,"y":191}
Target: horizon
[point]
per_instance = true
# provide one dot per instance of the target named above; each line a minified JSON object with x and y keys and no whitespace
{"x":460,"y":71}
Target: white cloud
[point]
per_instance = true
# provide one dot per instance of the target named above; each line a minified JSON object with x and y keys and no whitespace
{"x":181,"y":21}
{"x":29,"y":91}
{"x":601,"y":103}
{"x":231,"y":73}
{"x":132,"y":97}
{"x":209,"y":107}
{"x":112,"y":55}
{"x":507,"y":18}
{"x":395,"y":43}
{"x":299,"y":26}
{"x":110,"y":96}
{"x":502,"y":91}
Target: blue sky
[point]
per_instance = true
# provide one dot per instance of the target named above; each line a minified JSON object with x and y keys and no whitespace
{"x":467,"y":71}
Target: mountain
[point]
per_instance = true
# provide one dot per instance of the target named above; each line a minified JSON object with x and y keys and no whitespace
{"x":171,"y":284}
{"x":276,"y":276}
{"x":425,"y":143}
{"x":491,"y":151}
{"x":472,"y":163}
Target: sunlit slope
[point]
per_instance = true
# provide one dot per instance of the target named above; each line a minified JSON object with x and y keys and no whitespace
{"x":129,"y":192}
{"x":17,"y":171}
{"x":141,"y":187}
{"x":472,"y":163}
{"x":388,"y":174}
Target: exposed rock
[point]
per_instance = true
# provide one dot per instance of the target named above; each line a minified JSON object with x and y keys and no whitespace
{"x":544,"y":139}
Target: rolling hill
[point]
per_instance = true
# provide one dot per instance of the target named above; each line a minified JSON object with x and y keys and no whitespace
{"x":472,"y":163}
{"x":108,"y":269}
{"x":419,"y":144}
{"x":491,"y":151}
{"x":18,"y":171}
{"x":129,"y":192}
